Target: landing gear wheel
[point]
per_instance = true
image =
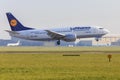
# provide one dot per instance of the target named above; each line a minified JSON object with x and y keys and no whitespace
{"x":97,"y":40}
{"x":58,"y":42}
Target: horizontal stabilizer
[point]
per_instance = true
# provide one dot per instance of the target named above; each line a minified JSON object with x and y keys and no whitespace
{"x":12,"y":32}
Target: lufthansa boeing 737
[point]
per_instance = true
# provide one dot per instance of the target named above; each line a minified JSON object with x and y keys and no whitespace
{"x":68,"y":34}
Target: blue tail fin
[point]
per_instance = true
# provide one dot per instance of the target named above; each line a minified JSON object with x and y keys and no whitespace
{"x":15,"y":24}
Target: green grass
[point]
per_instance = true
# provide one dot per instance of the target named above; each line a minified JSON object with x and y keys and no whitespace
{"x":92,"y":64}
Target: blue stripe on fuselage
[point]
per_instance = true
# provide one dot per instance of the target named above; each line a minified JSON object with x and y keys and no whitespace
{"x":80,"y":28}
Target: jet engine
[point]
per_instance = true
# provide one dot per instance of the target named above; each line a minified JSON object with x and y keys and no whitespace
{"x":70,"y":37}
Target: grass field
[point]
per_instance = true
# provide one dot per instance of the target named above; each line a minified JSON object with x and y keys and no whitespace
{"x":48,"y":63}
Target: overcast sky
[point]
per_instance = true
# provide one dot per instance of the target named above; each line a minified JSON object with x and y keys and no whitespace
{"x":61,"y":13}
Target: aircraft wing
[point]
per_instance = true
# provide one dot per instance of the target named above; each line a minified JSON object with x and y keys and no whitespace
{"x":55,"y":35}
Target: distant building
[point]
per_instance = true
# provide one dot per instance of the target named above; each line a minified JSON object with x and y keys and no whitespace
{"x":85,"y":43}
{"x":22,"y":42}
{"x":5,"y":42}
{"x":49,"y":43}
{"x":116,"y":43}
{"x":27,"y":42}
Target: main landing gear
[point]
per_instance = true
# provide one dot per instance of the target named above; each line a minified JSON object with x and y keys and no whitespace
{"x":58,"y":42}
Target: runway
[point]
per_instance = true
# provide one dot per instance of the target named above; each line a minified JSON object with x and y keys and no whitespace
{"x":59,"y":50}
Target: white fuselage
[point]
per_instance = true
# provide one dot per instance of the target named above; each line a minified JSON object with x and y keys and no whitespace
{"x":80,"y":32}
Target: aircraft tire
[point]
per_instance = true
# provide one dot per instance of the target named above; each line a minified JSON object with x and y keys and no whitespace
{"x":58,"y":42}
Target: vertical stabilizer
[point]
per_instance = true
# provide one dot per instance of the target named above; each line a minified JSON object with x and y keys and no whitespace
{"x":15,"y":24}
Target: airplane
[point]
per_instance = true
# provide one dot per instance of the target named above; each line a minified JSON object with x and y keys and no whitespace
{"x":14,"y":44}
{"x":68,"y":34}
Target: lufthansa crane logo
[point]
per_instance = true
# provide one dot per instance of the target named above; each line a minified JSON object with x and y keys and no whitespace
{"x":13,"y":22}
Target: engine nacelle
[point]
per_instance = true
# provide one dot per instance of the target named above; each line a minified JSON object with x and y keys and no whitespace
{"x":70,"y":37}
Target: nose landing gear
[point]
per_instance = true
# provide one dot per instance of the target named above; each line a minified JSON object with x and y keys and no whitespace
{"x":98,"y":39}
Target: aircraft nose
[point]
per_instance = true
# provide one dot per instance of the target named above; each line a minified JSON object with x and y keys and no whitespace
{"x":106,"y":31}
